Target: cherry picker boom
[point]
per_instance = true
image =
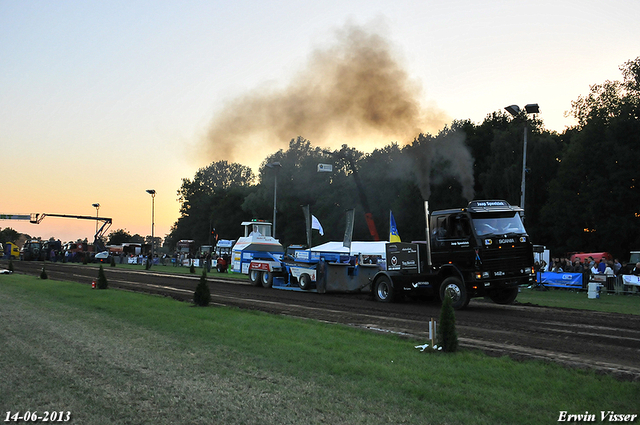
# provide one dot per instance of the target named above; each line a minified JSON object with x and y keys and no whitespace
{"x":36,"y":218}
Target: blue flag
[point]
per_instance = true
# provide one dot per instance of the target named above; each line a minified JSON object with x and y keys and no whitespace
{"x":393,"y":230}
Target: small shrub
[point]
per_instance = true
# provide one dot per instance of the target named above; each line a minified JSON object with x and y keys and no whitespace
{"x":202,"y":295}
{"x":447,"y":335}
{"x":43,"y":273}
{"x":192,"y":269}
{"x":102,"y":279}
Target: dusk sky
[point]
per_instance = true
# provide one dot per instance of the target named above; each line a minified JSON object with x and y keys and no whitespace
{"x":100,"y":101}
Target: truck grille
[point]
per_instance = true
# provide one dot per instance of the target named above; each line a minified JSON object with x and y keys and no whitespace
{"x":506,"y":259}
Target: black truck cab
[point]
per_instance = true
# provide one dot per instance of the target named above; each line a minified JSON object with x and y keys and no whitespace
{"x":477,"y":251}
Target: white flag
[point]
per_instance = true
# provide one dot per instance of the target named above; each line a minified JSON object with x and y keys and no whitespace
{"x":315,"y":224}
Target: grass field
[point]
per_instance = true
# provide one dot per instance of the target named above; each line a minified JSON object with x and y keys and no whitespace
{"x":115,"y":357}
{"x":566,"y":298}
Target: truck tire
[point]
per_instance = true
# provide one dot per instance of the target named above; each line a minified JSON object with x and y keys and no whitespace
{"x":267,"y":279}
{"x":304,"y":282}
{"x":254,"y":277}
{"x":504,"y":296}
{"x":454,"y":287}
{"x":383,"y":290}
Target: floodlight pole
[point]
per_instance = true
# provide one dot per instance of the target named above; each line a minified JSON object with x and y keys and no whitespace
{"x":275,"y":166}
{"x":524,"y":167}
{"x":97,"y":207}
{"x":152,"y":192}
{"x":514,"y":110}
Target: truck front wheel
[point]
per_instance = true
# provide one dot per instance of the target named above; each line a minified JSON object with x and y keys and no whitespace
{"x":383,"y":290}
{"x":455,"y":289}
{"x":504,"y":296}
{"x":254,"y":277}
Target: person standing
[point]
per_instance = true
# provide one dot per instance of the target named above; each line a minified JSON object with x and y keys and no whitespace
{"x":616,"y":266}
{"x":602,"y":265}
{"x":577,"y":266}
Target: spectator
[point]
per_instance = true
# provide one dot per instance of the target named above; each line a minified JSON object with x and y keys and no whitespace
{"x":566,"y":265}
{"x":609,"y":268}
{"x":556,"y":266}
{"x":616,"y":266}
{"x":602,"y":265}
{"x":636,"y":270}
{"x":577,"y":266}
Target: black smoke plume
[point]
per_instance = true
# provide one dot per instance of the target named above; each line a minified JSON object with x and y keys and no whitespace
{"x":354,"y":91}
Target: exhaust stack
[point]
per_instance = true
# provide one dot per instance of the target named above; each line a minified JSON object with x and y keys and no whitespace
{"x":428,"y":233}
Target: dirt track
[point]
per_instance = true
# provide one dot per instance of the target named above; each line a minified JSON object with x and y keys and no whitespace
{"x":606,"y":342}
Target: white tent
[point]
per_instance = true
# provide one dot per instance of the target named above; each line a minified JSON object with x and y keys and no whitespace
{"x":364,"y":248}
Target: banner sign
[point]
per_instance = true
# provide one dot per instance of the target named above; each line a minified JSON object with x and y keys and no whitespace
{"x":561,"y":280}
{"x":631,"y":280}
{"x":403,"y":256}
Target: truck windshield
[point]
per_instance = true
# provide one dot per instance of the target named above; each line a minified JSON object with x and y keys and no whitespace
{"x":260,"y":229}
{"x":498,"y":225}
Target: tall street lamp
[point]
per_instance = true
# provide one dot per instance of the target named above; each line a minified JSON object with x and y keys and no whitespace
{"x":514,"y":110}
{"x":275,"y":166}
{"x":153,"y":201}
{"x":97,"y":207}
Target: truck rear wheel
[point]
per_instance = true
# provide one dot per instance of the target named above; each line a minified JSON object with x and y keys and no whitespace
{"x":504,"y":296}
{"x":267,"y":279}
{"x":254,"y":277}
{"x":383,"y":290}
{"x":304,"y":282}
{"x":455,"y":289}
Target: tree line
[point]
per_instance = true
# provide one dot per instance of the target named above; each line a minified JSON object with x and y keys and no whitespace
{"x":582,"y":189}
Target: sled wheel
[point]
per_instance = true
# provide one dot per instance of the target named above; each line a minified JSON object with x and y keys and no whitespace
{"x":304,"y":282}
{"x":254,"y":277}
{"x":267,"y":279}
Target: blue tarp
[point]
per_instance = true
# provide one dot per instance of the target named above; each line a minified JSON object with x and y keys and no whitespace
{"x":561,"y":280}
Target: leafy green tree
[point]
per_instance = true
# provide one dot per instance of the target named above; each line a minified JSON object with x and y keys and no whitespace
{"x":593,"y":201}
{"x":569,"y":178}
{"x":118,"y":237}
{"x":212,"y":199}
{"x":9,"y":235}
{"x":299,"y":184}
{"x":501,"y":179}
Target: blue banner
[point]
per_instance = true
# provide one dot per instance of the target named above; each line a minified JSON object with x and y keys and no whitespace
{"x":561,"y":280}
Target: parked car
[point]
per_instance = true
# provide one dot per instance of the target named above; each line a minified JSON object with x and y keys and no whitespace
{"x":102,"y":257}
